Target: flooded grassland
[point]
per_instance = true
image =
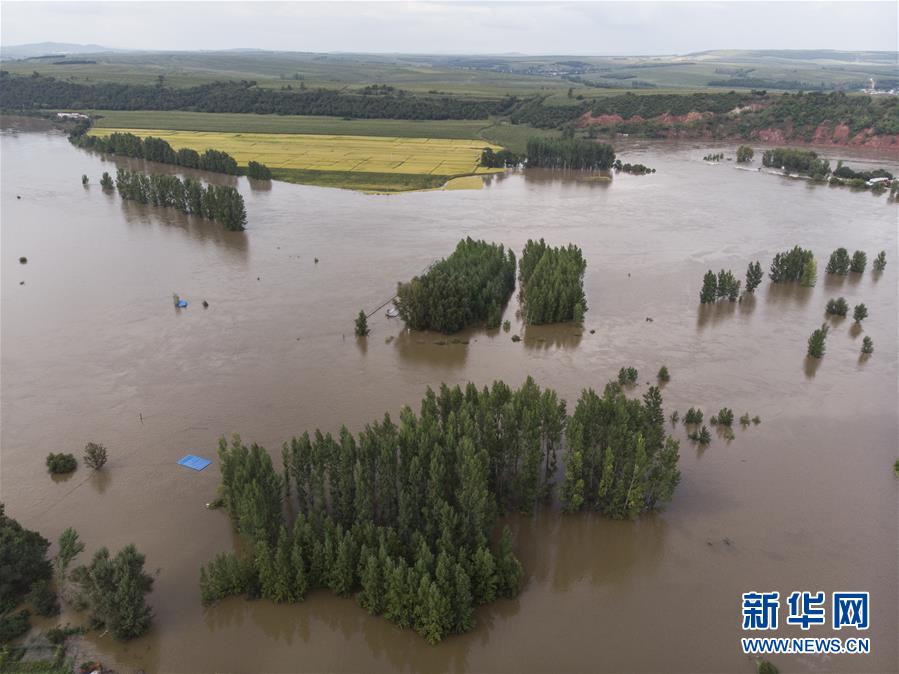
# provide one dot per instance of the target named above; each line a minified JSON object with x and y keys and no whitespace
{"x":93,"y":350}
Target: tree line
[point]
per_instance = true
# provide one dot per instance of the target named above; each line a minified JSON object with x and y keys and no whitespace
{"x":221,"y":203}
{"x":569,"y":153}
{"x":552,"y":283}
{"x":403,"y":515}
{"x":471,"y":285}
{"x":41,"y":92}
{"x":159,"y":150}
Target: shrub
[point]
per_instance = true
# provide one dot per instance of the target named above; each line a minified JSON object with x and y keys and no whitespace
{"x":627,"y":376}
{"x":674,"y":417}
{"x":839,"y":262}
{"x":859,"y":262}
{"x":43,"y":598}
{"x":765,"y":667}
{"x":789,"y":265}
{"x":84,"y":179}
{"x":744,"y":154}
{"x":61,"y":463}
{"x":703,"y":436}
{"x":744,"y":420}
{"x":809,"y":273}
{"x":664,"y":376}
{"x":860,"y":313}
{"x":726,"y":416}
{"x":756,"y":420}
{"x":837,"y":307}
{"x":507,"y":326}
{"x":880,"y":262}
{"x":94,"y":455}
{"x":693,"y":417}
{"x":867,"y":345}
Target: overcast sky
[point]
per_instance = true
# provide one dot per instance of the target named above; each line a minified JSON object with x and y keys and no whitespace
{"x":458,"y":27}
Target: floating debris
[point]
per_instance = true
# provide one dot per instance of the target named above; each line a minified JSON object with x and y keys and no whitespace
{"x":205,"y":304}
{"x":316,"y":260}
{"x":516,"y":338}
{"x":23,"y":260}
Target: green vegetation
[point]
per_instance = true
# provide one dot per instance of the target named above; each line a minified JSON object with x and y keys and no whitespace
{"x":800,"y":161}
{"x":627,"y":376}
{"x":663,"y":375}
{"x":725,"y":285}
{"x":754,"y":276}
{"x":469,"y":286}
{"x":744,"y":154}
{"x":258,"y":171}
{"x":859,"y":262}
{"x":860,"y":313}
{"x":809,"y":273}
{"x":500,"y":159}
{"x":402,"y":516}
{"x":816,"y":342}
{"x":837,"y":307}
{"x":765,"y":667}
{"x":552,"y":283}
{"x":94,"y":455}
{"x":569,"y":153}
{"x":114,"y":589}
{"x":362,"y":324}
{"x":867,"y":345}
{"x":633,"y":169}
{"x":221,"y":203}
{"x":725,"y":417}
{"x":839,"y":262}
{"x":693,"y":417}
{"x":84,"y":179}
{"x":702,"y":436}
{"x":718,"y":156}
{"x":846,"y":173}
{"x":59,"y":464}
{"x":790,"y":265}
{"x":619,"y":461}
{"x":43,"y":598}
{"x":880,"y":262}
{"x":745,"y":420}
{"x":22,"y":559}
{"x":106,"y":181}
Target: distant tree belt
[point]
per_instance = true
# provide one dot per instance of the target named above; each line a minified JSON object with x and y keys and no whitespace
{"x":21,"y":92}
{"x":469,"y":286}
{"x":569,"y":153}
{"x":214,"y":202}
{"x":157,"y":149}
{"x":404,"y":515}
{"x":552,"y":283}
{"x":759,"y":110}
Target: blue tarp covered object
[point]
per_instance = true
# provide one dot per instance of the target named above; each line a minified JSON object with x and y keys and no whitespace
{"x":182,"y":304}
{"x":194,"y":462}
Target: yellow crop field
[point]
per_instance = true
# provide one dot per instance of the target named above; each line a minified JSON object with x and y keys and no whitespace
{"x":363,"y":154}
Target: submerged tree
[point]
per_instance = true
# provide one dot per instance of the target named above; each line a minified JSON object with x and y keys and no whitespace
{"x":115,"y":590}
{"x":809,"y":273}
{"x":839,"y":262}
{"x":859,"y":262}
{"x":744,"y":154}
{"x":106,"y":181}
{"x":361,"y":324}
{"x":94,"y":455}
{"x":880,"y":262}
{"x":552,"y":283}
{"x":709,"y":292}
{"x":789,"y":265}
{"x":867,"y":345}
{"x":754,"y":276}
{"x":860,"y":313}
{"x":837,"y":306}
{"x":816,"y":342}
{"x":663,"y":375}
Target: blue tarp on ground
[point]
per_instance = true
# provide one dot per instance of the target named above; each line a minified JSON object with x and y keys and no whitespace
{"x":194,"y":462}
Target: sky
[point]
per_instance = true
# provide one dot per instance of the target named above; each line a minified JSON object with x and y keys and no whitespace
{"x":460,"y":27}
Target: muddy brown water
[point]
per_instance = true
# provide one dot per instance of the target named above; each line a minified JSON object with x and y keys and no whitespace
{"x":805,"y":501}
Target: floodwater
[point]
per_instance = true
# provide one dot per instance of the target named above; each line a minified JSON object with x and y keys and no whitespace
{"x":93,"y":350}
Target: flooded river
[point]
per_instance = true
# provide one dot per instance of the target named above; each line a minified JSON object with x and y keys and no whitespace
{"x":93,"y":350}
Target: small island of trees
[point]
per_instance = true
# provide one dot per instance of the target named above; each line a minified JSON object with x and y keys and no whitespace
{"x":552,"y":283}
{"x":471,"y":285}
{"x":800,"y":161}
{"x":569,"y":153}
{"x":402,"y":516}
{"x":214,"y":202}
{"x":792,"y":265}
